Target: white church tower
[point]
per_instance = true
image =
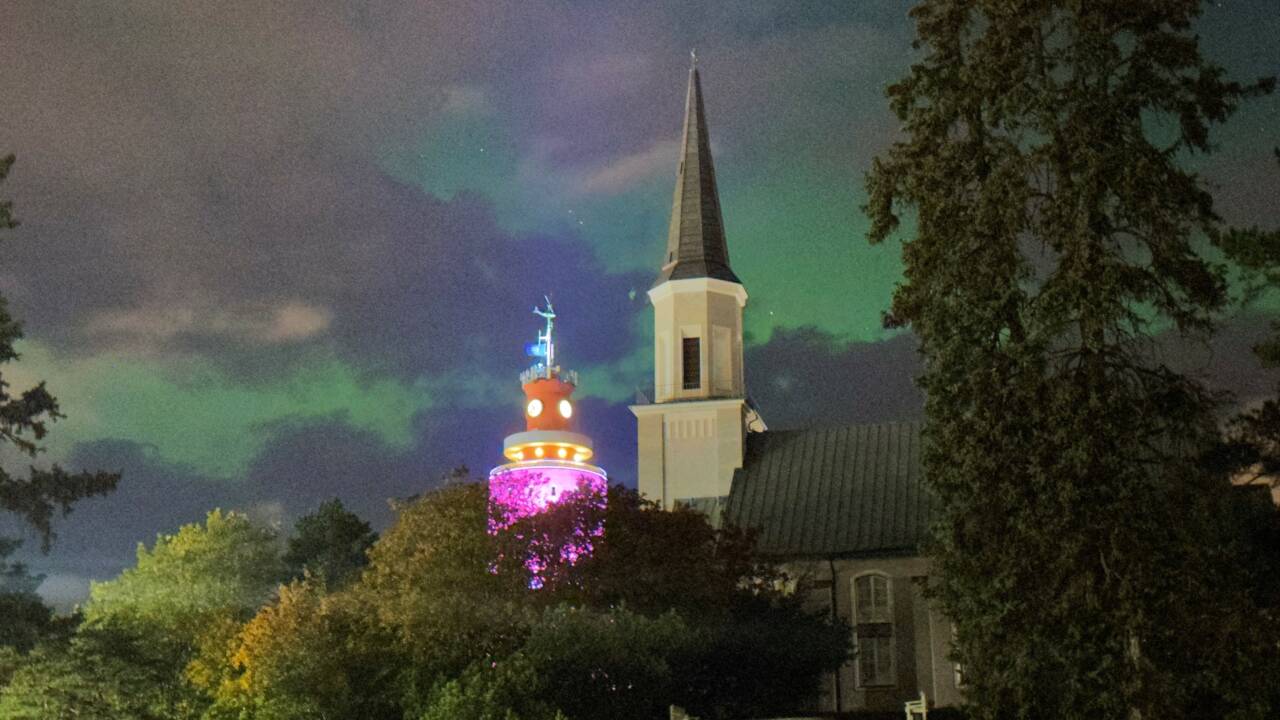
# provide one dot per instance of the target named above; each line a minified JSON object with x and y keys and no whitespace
{"x":690,"y":438}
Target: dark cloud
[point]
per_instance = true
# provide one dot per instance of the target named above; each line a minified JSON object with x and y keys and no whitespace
{"x":808,"y":378}
{"x":101,"y":535}
{"x":204,"y":182}
{"x":448,"y":289}
{"x":1226,"y":363}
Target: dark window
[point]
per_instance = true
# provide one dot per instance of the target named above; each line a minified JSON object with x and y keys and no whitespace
{"x":691,"y":365}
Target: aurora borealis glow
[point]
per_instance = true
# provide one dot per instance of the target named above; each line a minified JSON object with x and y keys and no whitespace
{"x":272,"y":255}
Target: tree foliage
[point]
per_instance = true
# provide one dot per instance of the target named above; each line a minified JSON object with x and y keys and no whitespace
{"x":98,"y":674}
{"x":310,"y":654}
{"x":227,"y":565}
{"x":576,"y":663}
{"x":1057,"y":230}
{"x":39,"y":496}
{"x":332,"y":543}
{"x":190,"y":591}
{"x":444,"y":623}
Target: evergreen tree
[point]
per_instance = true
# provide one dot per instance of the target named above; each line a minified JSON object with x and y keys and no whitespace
{"x":36,"y":498}
{"x":332,"y":543}
{"x":24,"y":421}
{"x":1084,"y":553}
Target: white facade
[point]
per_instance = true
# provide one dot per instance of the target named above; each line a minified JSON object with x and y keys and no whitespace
{"x":691,"y":438}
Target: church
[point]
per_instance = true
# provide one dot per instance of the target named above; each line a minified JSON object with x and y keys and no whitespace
{"x":843,"y":509}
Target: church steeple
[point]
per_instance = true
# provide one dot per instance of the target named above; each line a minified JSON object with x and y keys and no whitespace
{"x":696,"y":246}
{"x":690,"y":437}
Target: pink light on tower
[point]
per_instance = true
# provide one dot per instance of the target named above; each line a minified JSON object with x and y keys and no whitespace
{"x":548,"y":461}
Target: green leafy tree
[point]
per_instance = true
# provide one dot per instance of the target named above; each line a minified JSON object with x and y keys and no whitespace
{"x":741,"y":660}
{"x":1079,"y":534}
{"x":192,"y":590}
{"x":226,"y":565}
{"x":427,"y":607}
{"x":649,"y":561}
{"x":331,"y":543}
{"x":579,"y":663}
{"x":431,"y":584}
{"x":96,"y":673}
{"x":508,"y":689}
{"x":310,"y":654}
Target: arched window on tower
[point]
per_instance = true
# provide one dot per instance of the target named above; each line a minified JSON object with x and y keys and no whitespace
{"x":873,"y":630}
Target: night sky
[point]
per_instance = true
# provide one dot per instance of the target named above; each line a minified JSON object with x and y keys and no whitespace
{"x":276,"y":253}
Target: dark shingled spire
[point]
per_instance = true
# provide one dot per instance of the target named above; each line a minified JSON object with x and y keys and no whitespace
{"x":695,"y":241}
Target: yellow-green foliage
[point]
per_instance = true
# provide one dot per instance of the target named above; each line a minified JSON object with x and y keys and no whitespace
{"x":430,"y":581}
{"x":307,"y":655}
{"x":443,"y":623}
{"x":226,"y":566}
{"x":187,"y":595}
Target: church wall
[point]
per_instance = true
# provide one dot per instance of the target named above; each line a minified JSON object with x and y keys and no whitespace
{"x":693,"y":454}
{"x":688,"y":450}
{"x":649,"y":456}
{"x":921,"y":634}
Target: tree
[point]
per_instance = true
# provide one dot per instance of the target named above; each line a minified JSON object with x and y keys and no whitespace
{"x":24,"y":422}
{"x":650,"y":561}
{"x":430,"y":580}
{"x":579,"y":663}
{"x":310,"y":654}
{"x":1056,"y":232}
{"x":741,"y":658}
{"x":426,"y":608}
{"x":226,"y":565}
{"x":98,"y":674}
{"x":331,"y":543}
{"x":26,"y":617}
{"x":192,"y":590}
{"x":445,"y":622}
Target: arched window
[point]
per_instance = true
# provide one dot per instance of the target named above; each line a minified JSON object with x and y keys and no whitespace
{"x":873,"y":629}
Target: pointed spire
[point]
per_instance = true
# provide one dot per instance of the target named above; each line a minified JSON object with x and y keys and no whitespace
{"x":695,"y":239}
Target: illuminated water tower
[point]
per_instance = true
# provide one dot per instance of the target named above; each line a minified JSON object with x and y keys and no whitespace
{"x":549,"y":460}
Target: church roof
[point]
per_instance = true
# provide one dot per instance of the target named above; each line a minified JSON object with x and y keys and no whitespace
{"x":844,"y":491}
{"x":695,"y":239}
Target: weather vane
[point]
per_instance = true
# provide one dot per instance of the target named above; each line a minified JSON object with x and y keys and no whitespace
{"x":693,"y":58}
{"x":545,"y":339}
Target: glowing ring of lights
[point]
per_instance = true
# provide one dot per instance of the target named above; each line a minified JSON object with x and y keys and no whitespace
{"x":535,"y":407}
{"x":566,"y":409}
{"x":537,"y":450}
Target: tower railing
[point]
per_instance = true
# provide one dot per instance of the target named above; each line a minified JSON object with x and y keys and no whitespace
{"x":539,"y":370}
